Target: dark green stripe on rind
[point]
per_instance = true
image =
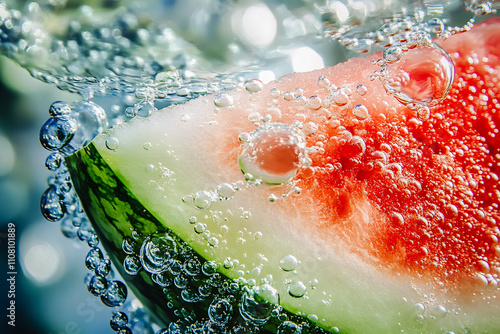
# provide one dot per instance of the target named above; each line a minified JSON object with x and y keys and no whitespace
{"x":115,"y":213}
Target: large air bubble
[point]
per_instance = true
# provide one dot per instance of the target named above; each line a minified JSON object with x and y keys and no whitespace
{"x":421,"y":76}
{"x":273,"y":153}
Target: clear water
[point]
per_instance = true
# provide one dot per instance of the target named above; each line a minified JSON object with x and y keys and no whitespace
{"x":128,"y":59}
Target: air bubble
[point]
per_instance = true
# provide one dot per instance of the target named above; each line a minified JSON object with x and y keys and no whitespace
{"x":51,"y":205}
{"x":258,"y":303}
{"x":422,"y":76}
{"x":253,"y":85}
{"x":361,"y":90}
{"x":199,"y":228}
{"x":97,"y":286}
{"x":225,"y":191}
{"x":340,"y":97}
{"x":53,"y":161}
{"x":115,"y":295}
{"x":275,"y":92}
{"x":112,"y":143}
{"x":203,"y":199}
{"x":132,"y":264}
{"x":57,"y":133}
{"x":274,"y":153}
{"x":156,"y":251}
{"x":288,"y":327}
{"x":59,"y":109}
{"x":118,"y":320}
{"x":289,"y":263}
{"x":223,"y":100}
{"x":393,"y":54}
{"x":361,"y":112}
{"x":323,"y":82}
{"x":289,"y":96}
{"x":220,"y":311}
{"x":94,"y":256}
{"x":297,"y":289}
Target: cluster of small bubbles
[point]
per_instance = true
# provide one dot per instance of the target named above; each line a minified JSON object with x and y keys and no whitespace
{"x":480,"y":8}
{"x":71,"y":128}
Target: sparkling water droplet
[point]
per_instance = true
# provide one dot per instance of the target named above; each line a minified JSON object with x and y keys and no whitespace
{"x":340,"y":97}
{"x":361,"y":112}
{"x":115,"y":294}
{"x":223,"y":100}
{"x":274,"y":93}
{"x":112,"y":143}
{"x":423,"y":76}
{"x":274,"y":153}
{"x":253,"y":85}
{"x":144,"y":108}
{"x":289,"y":96}
{"x":289,"y":263}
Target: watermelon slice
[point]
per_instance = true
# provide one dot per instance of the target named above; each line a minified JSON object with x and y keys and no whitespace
{"x":319,"y":192}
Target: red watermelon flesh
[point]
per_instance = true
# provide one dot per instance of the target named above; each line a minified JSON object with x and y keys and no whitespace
{"x":416,"y":196}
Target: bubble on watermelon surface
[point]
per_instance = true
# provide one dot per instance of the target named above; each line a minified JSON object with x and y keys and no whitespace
{"x":273,"y":153}
{"x":421,"y":76}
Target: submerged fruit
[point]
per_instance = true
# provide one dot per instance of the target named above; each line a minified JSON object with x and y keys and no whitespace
{"x":394,"y":227}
